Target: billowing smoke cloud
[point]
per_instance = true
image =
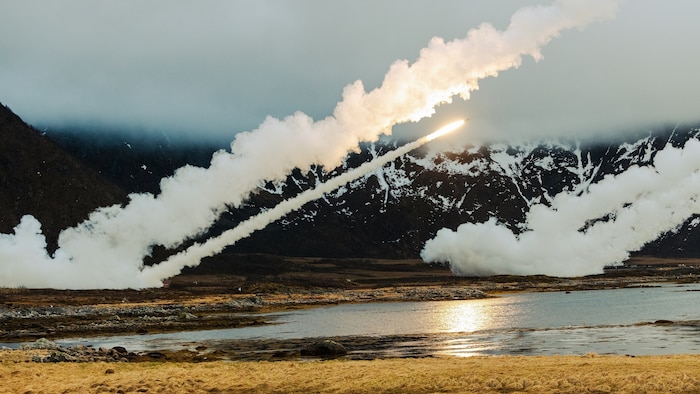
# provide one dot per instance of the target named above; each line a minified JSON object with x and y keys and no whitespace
{"x":154,"y":275}
{"x":108,"y":249}
{"x":580,"y":234}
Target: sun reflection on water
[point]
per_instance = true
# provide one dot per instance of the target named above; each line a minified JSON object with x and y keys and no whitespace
{"x":471,"y":320}
{"x":466,"y":316}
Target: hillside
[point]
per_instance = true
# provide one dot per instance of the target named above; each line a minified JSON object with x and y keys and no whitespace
{"x":391,"y":212}
{"x":135,"y":161}
{"x":39,"y":178}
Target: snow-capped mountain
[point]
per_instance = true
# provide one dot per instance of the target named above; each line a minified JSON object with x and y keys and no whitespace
{"x":392,"y":211}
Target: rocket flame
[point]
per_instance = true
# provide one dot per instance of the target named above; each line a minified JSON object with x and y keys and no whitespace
{"x":445,"y":130}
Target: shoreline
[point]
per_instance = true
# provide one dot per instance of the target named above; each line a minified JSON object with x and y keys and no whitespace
{"x":353,"y":347}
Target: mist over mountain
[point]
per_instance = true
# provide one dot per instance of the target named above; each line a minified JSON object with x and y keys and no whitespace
{"x":392,"y":212}
{"x":134,"y":160}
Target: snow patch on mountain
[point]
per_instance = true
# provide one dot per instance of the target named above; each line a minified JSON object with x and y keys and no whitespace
{"x":405,"y":202}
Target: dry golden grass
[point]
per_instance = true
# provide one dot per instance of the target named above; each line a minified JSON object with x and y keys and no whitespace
{"x":498,"y":374}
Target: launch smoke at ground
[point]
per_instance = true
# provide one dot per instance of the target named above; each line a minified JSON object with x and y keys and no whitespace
{"x":108,"y":249}
{"x":580,"y":234}
{"x":152,"y":276}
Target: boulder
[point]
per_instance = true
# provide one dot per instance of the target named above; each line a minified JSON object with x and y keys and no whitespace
{"x":186,"y":316}
{"x":41,"y":343}
{"x":324,"y":348}
{"x":60,"y":356}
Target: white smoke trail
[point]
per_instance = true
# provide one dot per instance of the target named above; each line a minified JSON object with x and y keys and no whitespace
{"x":567,"y":239}
{"x":108,"y":249}
{"x":153,"y":276}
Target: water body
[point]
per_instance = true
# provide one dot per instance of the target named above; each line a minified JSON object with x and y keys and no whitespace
{"x":599,"y":321}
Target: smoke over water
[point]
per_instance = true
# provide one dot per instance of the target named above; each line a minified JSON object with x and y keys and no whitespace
{"x":580,"y":234}
{"x":107,"y":250}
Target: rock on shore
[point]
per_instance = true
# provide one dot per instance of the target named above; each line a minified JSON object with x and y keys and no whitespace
{"x":57,"y":353}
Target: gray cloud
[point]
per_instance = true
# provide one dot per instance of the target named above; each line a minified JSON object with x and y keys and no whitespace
{"x":630,"y":72}
{"x":220,"y":67}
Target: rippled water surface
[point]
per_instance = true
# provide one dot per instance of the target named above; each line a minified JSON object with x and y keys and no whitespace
{"x":600,"y":321}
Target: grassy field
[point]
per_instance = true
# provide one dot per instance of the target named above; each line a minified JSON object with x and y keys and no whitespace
{"x":497,"y":374}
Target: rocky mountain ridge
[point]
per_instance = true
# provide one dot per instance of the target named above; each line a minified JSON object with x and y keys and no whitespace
{"x":392,"y":211}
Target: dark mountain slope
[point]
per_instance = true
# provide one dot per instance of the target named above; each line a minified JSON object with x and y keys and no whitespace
{"x":39,"y":178}
{"x":391,"y":212}
{"x":134,"y":161}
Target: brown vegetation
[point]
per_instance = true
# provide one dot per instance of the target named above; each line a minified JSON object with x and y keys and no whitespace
{"x":496,"y":374}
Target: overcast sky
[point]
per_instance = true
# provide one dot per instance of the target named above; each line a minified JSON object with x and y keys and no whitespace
{"x":218,"y":67}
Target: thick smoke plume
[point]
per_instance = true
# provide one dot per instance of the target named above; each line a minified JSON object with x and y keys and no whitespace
{"x":580,"y":234}
{"x":154,"y":275}
{"x":108,"y":249}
